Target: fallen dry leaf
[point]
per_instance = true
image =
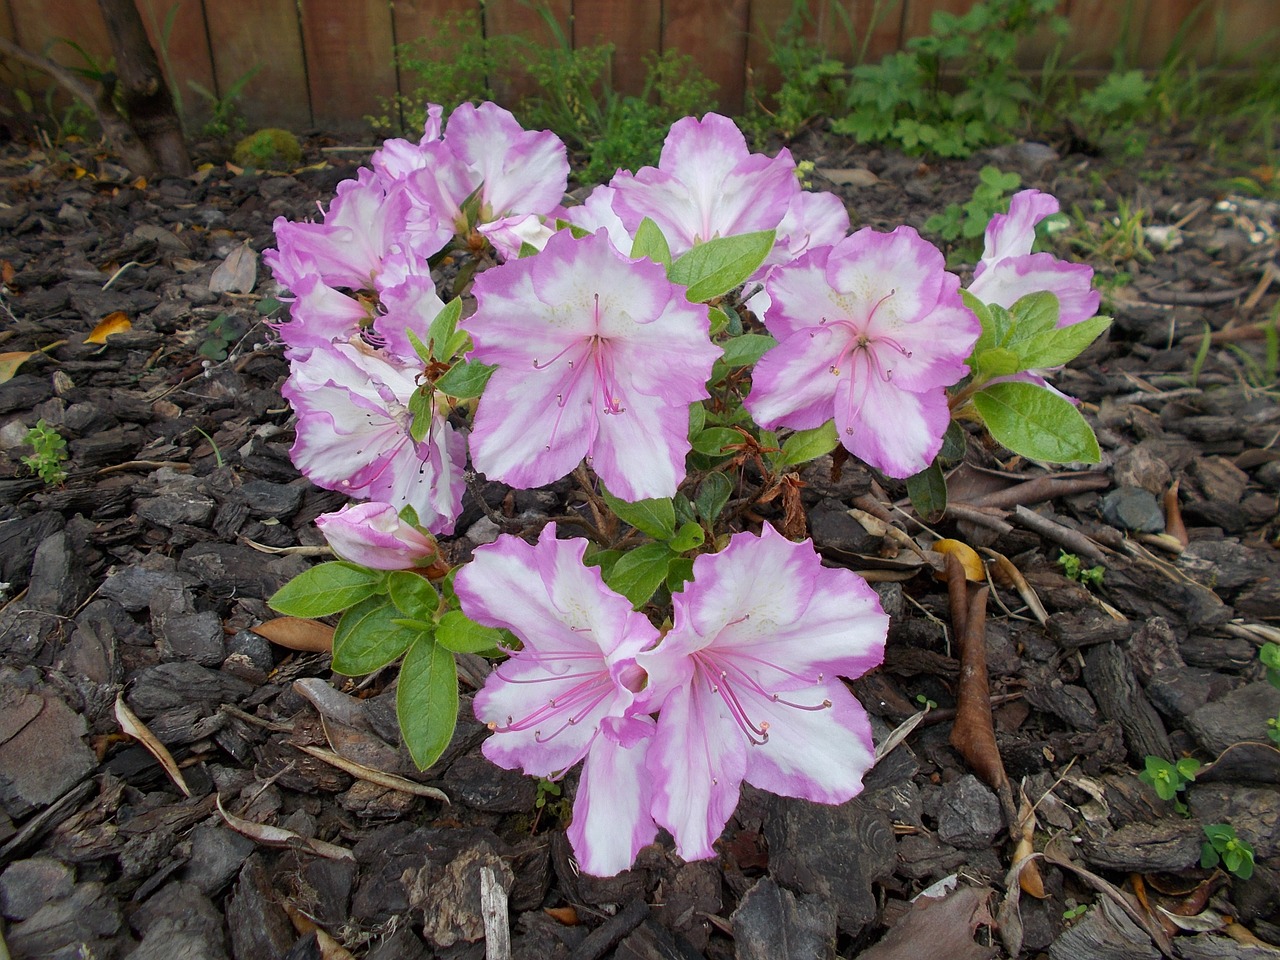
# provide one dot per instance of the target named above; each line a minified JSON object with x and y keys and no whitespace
{"x":389,"y":780}
{"x":112,"y":323}
{"x":297,"y":633}
{"x":10,"y":362}
{"x":135,"y":728}
{"x":270,"y":836}
{"x":973,"y":733}
{"x":236,"y":274}
{"x":938,"y":930}
{"x":974,"y":571}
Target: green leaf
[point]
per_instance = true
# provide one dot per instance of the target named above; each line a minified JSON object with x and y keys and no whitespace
{"x":420,"y":348}
{"x":657,"y":518}
{"x":806,"y":445}
{"x":1060,"y":345}
{"x":442,"y":329}
{"x":427,"y":701}
{"x":413,"y":595}
{"x":954,"y":443}
{"x":679,"y":572}
{"x":715,"y":267}
{"x":928,"y":492}
{"x":713,"y":440}
{"x":690,"y":536}
{"x":1036,"y":312}
{"x":422,"y":409}
{"x":639,"y":572}
{"x":651,"y":243}
{"x":713,"y":494}
{"x":368,"y":638}
{"x":697,"y":417}
{"x":459,"y":633}
{"x":527,"y":249}
{"x":1037,"y":423}
{"x":719,"y":320}
{"x":996,"y":362}
{"x":466,"y":379}
{"x":747,"y":349}
{"x":324,"y":589}
{"x":604,"y":559}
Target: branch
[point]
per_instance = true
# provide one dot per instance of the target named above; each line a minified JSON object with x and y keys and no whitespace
{"x":115,"y":128}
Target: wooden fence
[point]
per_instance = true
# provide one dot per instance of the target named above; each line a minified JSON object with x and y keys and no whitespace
{"x":324,"y":64}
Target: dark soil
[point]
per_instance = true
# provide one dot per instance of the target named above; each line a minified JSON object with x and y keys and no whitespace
{"x":145,"y":571}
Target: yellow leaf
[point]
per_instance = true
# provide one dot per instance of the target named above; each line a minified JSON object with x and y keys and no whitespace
{"x":10,"y":362}
{"x":112,"y":323}
{"x":139,"y":184}
{"x":969,"y":559}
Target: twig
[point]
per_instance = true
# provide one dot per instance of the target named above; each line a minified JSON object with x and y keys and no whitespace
{"x":983,"y":517}
{"x":1042,"y":489}
{"x":1073,"y":540}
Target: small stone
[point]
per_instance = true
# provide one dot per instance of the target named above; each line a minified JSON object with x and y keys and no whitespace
{"x":197,"y":637}
{"x":42,"y":754}
{"x":134,"y":587}
{"x":483,"y":531}
{"x":474,"y":781}
{"x":179,"y":923}
{"x":970,"y":814}
{"x":82,"y":918}
{"x":173,"y":509}
{"x":1133,"y":508}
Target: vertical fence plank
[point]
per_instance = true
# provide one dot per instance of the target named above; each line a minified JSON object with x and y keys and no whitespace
{"x":183,"y":53}
{"x":714,"y":33}
{"x":13,"y":76}
{"x":517,"y":18}
{"x":1242,"y":32}
{"x":634,"y":29}
{"x":40,"y":26}
{"x":350,"y":66}
{"x":261,"y":35}
{"x":1097,"y":30}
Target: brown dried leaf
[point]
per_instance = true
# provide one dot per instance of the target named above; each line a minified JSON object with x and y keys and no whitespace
{"x":10,"y":362}
{"x":360,"y":771}
{"x":297,"y":633}
{"x":135,"y":728}
{"x":938,"y":930}
{"x":973,"y":733}
{"x":236,"y":274}
{"x":1004,"y":568}
{"x":270,"y":836}
{"x":112,"y":323}
{"x":566,"y":915}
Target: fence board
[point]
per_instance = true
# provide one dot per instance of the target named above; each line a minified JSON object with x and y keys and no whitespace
{"x":183,"y":55}
{"x":39,"y":24}
{"x":350,"y":61}
{"x":634,"y":29}
{"x":262,"y":34}
{"x":714,"y":33}
{"x":519,"y":18}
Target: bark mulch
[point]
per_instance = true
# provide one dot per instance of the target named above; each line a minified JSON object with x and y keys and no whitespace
{"x":137,"y":582}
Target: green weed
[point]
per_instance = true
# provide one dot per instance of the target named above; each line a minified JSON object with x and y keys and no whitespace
{"x":1170,"y":779}
{"x":1223,"y":846}
{"x":49,"y":452}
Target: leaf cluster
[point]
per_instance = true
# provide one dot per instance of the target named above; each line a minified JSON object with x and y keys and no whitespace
{"x":49,"y":453}
{"x":953,"y":91}
{"x":968,"y":221}
{"x":1170,"y":779}
{"x":1222,"y":845}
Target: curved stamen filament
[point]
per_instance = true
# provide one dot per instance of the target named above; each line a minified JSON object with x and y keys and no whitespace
{"x":593,"y":690}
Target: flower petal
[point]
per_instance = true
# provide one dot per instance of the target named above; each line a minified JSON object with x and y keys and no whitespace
{"x":1006,"y":281}
{"x":893,"y":430}
{"x":697,"y":761}
{"x":611,"y":820}
{"x":1012,"y":234}
{"x":792,"y":384}
{"x":817,"y":755}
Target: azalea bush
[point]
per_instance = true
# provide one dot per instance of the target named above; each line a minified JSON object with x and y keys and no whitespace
{"x":678,"y":345}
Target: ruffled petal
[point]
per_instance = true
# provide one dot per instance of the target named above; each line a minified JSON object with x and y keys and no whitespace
{"x":639,"y":453}
{"x":1012,"y":234}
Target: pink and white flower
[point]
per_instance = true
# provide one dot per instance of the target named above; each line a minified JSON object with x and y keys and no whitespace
{"x":707,"y":184}
{"x":518,"y":172}
{"x":571,"y":691}
{"x":374,"y":536}
{"x":598,"y":356}
{"x":365,"y":220}
{"x":1009,"y":270}
{"x":748,"y":686}
{"x":353,"y":435}
{"x":871,"y":331}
